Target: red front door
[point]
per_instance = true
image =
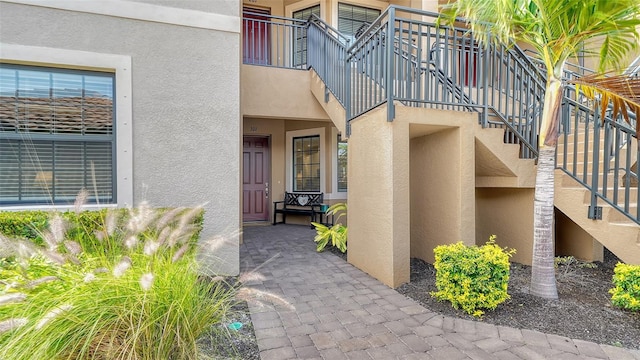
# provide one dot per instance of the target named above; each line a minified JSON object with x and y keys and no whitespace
{"x":255,"y":37}
{"x":255,"y":179}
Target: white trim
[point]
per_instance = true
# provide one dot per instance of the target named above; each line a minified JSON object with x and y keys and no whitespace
{"x":371,"y":4}
{"x":141,"y":11}
{"x":74,"y":59}
{"x":335,"y":194}
{"x":305,"y":4}
{"x":289,"y":156}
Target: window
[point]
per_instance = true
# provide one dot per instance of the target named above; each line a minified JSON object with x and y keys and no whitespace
{"x":56,"y":135}
{"x":341,"y":171}
{"x":306,"y":163}
{"x":300,"y":34}
{"x":352,"y":17}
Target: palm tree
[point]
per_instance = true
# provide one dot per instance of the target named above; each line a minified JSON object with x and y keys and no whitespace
{"x":558,"y":30}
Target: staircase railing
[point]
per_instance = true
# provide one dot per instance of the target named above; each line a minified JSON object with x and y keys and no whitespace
{"x":602,"y":156}
{"x":444,"y":68}
{"x":327,"y":56}
{"x":599,"y":154}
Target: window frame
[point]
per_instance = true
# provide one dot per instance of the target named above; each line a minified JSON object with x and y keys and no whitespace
{"x":289,"y":153}
{"x":121,"y":66}
{"x":374,"y":5}
{"x":56,"y":141}
{"x":300,"y":39}
{"x":305,"y":164}
{"x":339,"y":141}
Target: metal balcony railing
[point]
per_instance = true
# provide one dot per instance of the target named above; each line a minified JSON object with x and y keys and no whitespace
{"x":274,"y":41}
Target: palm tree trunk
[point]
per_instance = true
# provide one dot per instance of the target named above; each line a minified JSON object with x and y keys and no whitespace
{"x":543,"y":277}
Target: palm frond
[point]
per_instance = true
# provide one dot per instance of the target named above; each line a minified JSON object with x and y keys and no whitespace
{"x":557,"y":29}
{"x":621,"y":91}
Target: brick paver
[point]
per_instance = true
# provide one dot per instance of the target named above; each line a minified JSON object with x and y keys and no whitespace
{"x":313,"y":305}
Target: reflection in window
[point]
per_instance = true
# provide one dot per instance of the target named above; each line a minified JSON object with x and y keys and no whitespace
{"x":306,"y":163}
{"x":56,"y":135}
{"x":342,"y":164}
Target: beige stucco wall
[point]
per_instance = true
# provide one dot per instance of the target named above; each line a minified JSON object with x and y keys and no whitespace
{"x":442,"y":178}
{"x":571,"y":239}
{"x":508,"y":214}
{"x":185,"y":98}
{"x":379,"y":197}
{"x":278,"y":93}
{"x":435,"y":192}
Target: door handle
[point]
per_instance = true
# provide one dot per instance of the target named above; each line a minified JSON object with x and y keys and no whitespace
{"x":266,"y":190}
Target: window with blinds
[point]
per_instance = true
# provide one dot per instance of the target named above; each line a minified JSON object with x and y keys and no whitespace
{"x":306,"y":163}
{"x":341,"y":171}
{"x":300,"y":34}
{"x":352,"y":17}
{"x":56,"y":135}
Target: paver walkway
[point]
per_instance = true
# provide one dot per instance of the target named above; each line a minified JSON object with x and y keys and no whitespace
{"x":336,"y":311}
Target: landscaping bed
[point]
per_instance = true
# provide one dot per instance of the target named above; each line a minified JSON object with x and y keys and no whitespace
{"x":583,"y":310}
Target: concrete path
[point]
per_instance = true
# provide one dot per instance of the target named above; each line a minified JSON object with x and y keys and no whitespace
{"x":327,"y":309}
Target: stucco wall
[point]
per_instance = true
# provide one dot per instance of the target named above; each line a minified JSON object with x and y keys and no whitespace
{"x":379,"y":197}
{"x":186,"y":112}
{"x":435,"y":193}
{"x":508,"y":214}
{"x":571,"y":239}
{"x":278,"y":93}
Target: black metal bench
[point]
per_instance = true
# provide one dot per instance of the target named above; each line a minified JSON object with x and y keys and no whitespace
{"x":307,"y":204}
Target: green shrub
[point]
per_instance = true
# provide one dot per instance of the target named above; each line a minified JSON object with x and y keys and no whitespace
{"x":84,"y":227}
{"x":626,"y":291}
{"x":116,"y":285}
{"x":337,"y":233}
{"x":24,"y":224}
{"x":471,"y":277}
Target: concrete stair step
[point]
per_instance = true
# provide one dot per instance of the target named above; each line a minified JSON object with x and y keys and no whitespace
{"x":619,"y":198}
{"x":616,"y":231}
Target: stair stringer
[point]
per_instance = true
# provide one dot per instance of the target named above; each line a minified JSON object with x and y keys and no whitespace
{"x":621,"y":237}
{"x":332,"y":107}
{"x":498,"y":164}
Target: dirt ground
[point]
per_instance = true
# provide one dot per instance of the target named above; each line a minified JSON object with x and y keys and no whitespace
{"x":583,"y":310}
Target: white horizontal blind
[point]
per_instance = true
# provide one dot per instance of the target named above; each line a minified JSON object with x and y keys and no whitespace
{"x":300,"y":35}
{"x":352,"y":17}
{"x":56,"y":135}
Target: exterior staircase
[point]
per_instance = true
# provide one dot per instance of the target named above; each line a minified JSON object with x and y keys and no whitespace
{"x":577,"y":163}
{"x":418,"y":65}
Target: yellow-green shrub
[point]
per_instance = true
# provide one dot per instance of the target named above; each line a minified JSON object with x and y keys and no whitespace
{"x":472,"y":277}
{"x":626,"y":291}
